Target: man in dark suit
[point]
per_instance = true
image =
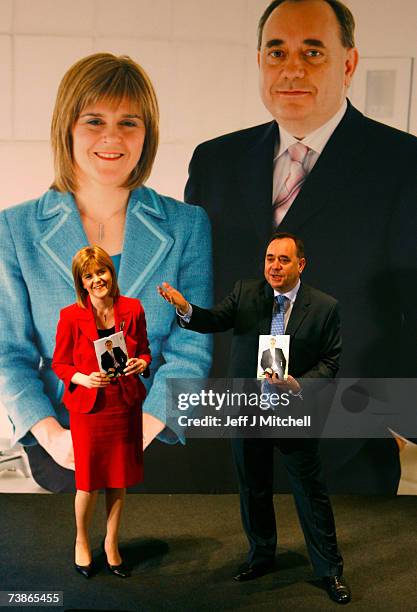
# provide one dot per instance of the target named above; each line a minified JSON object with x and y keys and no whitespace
{"x":113,"y":360}
{"x":273,"y":359}
{"x":311,"y":318}
{"x":345,"y":184}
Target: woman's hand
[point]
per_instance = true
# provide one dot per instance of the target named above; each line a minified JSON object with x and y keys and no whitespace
{"x":174,"y":297}
{"x":135,"y":366}
{"x":93,"y":381}
{"x":96,"y":379}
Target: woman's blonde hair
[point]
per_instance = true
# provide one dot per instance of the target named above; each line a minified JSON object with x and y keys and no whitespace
{"x":82,"y":262}
{"x":96,"y":78}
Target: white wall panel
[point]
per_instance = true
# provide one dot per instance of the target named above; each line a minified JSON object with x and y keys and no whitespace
{"x":6,"y":111}
{"x":26,"y":171}
{"x":40,"y":63}
{"x":254,"y":12}
{"x":6,"y":15}
{"x":142,"y":18}
{"x":54,"y":16}
{"x":171,"y":169}
{"x":216,"y":20}
{"x":208,"y":98}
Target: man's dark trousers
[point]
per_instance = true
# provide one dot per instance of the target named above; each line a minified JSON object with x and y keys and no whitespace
{"x":254,"y":462}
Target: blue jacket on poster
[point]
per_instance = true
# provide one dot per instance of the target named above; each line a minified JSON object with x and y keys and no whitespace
{"x":165,"y":240}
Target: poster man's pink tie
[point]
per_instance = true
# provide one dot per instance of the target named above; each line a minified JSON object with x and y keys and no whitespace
{"x":292,"y":183}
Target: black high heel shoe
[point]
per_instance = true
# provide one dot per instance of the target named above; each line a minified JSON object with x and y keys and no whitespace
{"x":85,"y":570}
{"x":120,"y":570}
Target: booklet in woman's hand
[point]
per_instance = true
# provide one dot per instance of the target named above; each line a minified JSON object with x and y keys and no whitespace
{"x":111,"y":354}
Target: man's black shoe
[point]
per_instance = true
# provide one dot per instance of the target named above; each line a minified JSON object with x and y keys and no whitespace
{"x":337,"y":589}
{"x":250,"y":572}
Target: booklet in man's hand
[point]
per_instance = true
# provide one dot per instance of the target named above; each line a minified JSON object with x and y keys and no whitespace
{"x":273,"y":355}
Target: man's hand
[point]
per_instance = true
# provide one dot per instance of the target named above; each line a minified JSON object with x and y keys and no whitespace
{"x":56,"y":441}
{"x":135,"y":366}
{"x":174,"y":297}
{"x":151,"y":427}
{"x":287,"y":384}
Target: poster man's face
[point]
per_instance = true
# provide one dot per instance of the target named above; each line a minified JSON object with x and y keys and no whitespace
{"x":304,"y":68}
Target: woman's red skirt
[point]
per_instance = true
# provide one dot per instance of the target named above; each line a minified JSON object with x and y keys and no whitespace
{"x":108,"y":442}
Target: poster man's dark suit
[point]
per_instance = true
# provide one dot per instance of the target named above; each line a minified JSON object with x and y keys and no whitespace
{"x":357,"y":216}
{"x":107,"y":360}
{"x":315,"y":346}
{"x":280,"y":362}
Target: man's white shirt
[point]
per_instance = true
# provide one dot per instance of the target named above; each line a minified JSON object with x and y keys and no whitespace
{"x":316,"y":141}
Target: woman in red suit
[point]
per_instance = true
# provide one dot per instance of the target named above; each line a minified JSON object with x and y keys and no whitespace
{"x":105,"y":414}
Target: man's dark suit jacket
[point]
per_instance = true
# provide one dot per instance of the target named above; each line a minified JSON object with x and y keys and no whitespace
{"x":357,"y":216}
{"x":266,"y":359}
{"x":314,"y":327}
{"x":107,"y":360}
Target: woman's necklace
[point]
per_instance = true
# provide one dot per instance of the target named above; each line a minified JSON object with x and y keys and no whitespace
{"x":103,"y":314}
{"x":101,"y":224}
{"x":106,"y":313}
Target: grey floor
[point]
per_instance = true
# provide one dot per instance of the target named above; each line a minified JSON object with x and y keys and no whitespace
{"x":185,"y":548}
